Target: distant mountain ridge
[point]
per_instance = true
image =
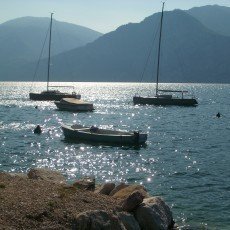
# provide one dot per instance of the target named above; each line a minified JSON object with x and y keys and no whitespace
{"x":22,"y":39}
{"x":33,"y":31}
{"x":213,"y":17}
{"x":191,"y":52}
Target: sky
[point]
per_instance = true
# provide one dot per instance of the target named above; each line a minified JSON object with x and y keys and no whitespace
{"x":100,"y":15}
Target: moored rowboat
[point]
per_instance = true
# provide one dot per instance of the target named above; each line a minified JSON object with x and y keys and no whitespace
{"x":94,"y":134}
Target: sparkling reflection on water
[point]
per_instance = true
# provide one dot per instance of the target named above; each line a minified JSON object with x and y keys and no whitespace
{"x":185,"y":160}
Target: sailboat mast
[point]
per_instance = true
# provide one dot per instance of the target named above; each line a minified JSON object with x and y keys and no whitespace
{"x":48,"y":73}
{"x":159,"y":48}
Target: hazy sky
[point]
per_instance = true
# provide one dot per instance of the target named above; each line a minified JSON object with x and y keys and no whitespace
{"x":100,"y":15}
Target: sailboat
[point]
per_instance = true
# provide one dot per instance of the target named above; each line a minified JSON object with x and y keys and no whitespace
{"x":51,"y":95}
{"x":164,"y":99}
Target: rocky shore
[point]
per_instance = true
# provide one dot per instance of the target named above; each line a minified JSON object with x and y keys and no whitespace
{"x":42,"y":199}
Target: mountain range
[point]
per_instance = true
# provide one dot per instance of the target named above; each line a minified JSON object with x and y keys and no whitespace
{"x":194,"y":49}
{"x":22,"y":39}
{"x":214,"y":17}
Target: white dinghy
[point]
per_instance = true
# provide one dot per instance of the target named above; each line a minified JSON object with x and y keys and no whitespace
{"x":72,"y":104}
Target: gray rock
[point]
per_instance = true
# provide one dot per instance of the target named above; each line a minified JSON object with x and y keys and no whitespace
{"x":125,"y":192}
{"x":132,"y":201}
{"x":118,"y":188}
{"x":105,"y":188}
{"x":97,"y":220}
{"x":46,"y":174}
{"x":129,"y":221}
{"x":158,"y":203}
{"x":154,"y":214}
{"x":86,"y":183}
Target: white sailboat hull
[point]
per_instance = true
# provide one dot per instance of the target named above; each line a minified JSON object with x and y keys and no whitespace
{"x":71,"y":104}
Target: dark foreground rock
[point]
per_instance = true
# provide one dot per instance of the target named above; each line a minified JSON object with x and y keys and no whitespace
{"x":129,"y":221}
{"x":105,"y":188}
{"x":132,"y":201}
{"x":86,"y":183}
{"x":96,"y":220}
{"x":128,"y":190}
{"x":42,"y":199}
{"x":118,"y":188}
{"x":155,"y":214}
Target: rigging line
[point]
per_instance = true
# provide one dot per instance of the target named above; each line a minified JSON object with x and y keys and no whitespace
{"x":159,"y":48}
{"x":150,"y":51}
{"x":67,"y":63}
{"x":182,"y":69}
{"x":50,"y":39}
{"x":39,"y":59}
{"x":181,"y":64}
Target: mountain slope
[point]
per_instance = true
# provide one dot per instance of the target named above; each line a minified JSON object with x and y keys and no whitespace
{"x":190,"y":53}
{"x":22,"y":39}
{"x":32,"y":31}
{"x":213,"y":17}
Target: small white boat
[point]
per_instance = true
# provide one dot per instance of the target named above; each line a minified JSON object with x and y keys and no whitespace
{"x":94,"y":134}
{"x":72,"y":104}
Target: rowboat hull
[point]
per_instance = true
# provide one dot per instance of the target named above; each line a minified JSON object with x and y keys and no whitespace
{"x":81,"y":133}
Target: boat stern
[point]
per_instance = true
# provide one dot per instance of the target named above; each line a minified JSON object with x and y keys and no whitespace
{"x":140,"y":138}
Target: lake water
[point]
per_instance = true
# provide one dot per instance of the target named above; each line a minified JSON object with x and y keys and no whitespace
{"x":186,"y":158}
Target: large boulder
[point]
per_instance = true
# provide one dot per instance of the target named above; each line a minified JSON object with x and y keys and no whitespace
{"x":154,"y":214}
{"x":105,"y":188}
{"x":86,"y":183}
{"x":118,"y":188}
{"x":97,"y":220}
{"x":125,"y":192}
{"x":132,"y":201}
{"x":129,"y":221}
{"x":47,"y":175}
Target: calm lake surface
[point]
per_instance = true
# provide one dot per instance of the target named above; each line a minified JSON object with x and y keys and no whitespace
{"x":186,"y":159}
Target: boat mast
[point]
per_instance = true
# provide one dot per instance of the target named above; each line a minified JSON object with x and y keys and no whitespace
{"x":48,"y":73}
{"x":159,"y":48}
